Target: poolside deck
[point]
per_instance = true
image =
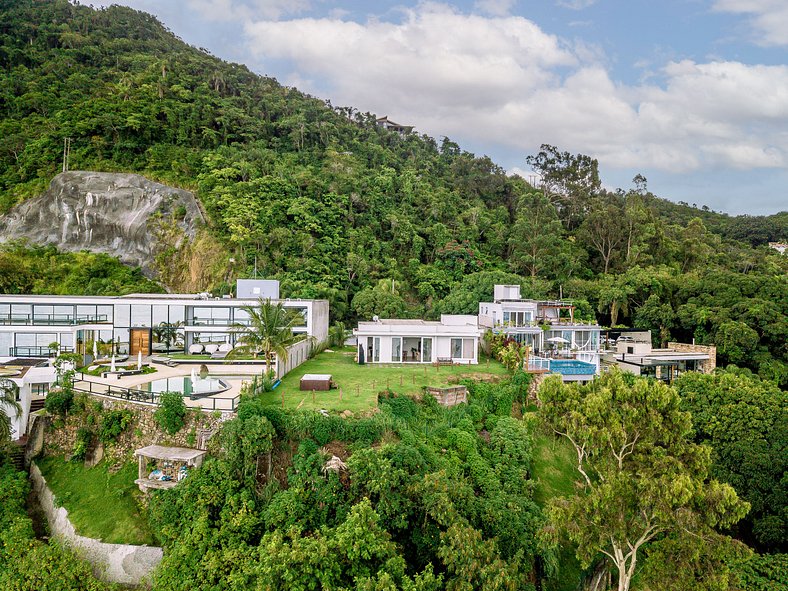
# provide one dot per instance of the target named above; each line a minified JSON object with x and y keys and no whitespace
{"x":112,"y":386}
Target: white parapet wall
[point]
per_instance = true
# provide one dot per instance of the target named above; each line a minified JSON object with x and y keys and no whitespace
{"x":114,"y":563}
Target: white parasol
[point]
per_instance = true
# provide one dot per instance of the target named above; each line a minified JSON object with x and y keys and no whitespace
{"x":112,"y":364}
{"x":95,"y":350}
{"x":558,"y":340}
{"x":139,"y":360}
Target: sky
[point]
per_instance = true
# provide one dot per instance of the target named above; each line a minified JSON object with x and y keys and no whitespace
{"x":691,"y":94}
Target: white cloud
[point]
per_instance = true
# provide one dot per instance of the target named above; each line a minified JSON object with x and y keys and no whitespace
{"x":502,"y":81}
{"x":769,"y":18}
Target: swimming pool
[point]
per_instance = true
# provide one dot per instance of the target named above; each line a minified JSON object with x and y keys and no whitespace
{"x":185,"y":386}
{"x":572,"y":367}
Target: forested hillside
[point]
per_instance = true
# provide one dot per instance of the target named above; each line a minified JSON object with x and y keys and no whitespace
{"x":378,"y":223}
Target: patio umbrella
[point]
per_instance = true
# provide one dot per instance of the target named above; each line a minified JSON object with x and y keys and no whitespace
{"x":194,"y":375}
{"x":95,"y":350}
{"x":139,"y":360}
{"x":558,"y":340}
{"x":112,"y":364}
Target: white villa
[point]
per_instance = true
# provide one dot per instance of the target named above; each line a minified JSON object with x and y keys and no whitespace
{"x":558,"y":342}
{"x":30,"y":325}
{"x":455,"y":338}
{"x":32,"y":377}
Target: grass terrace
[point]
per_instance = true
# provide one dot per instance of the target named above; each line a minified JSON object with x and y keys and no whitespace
{"x":101,"y":504}
{"x":555,"y":472}
{"x":360,"y":384}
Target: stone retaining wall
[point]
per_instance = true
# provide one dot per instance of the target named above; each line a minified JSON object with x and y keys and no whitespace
{"x":114,"y":563}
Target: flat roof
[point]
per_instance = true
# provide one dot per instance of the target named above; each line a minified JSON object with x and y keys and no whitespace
{"x":176,"y":454}
{"x":185,"y":297}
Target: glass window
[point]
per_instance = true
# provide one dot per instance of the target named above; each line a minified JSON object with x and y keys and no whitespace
{"x":160,"y":314}
{"x":241,"y":316}
{"x":84,"y":310}
{"x":121,"y":336}
{"x":104,"y":313}
{"x":123,"y":316}
{"x":6,"y":342}
{"x":177,"y":313}
{"x":140,"y":315}
{"x":20,"y":312}
{"x":221,"y":315}
{"x":25,"y":340}
{"x":467,"y":348}
{"x":426,"y":349}
{"x":396,"y":348}
{"x":456,"y":348}
{"x":66,"y":340}
{"x":39,"y":389}
{"x":376,"y":350}
{"x":44,"y":339}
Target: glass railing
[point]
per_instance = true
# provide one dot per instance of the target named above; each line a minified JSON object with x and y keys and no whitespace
{"x":53,"y":319}
{"x":37,"y":351}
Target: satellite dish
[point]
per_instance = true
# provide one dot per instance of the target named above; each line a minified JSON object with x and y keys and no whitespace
{"x":376,"y":318}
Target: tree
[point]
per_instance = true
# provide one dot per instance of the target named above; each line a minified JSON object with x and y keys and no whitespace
{"x":381,"y":300}
{"x":8,"y":402}
{"x":537,"y":243}
{"x":337,"y":334}
{"x":604,"y":229}
{"x":745,"y":420}
{"x":642,"y":476}
{"x":270,"y":330}
{"x":569,"y":180}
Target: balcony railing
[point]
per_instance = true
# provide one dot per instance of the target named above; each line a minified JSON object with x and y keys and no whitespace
{"x":53,"y":319}
{"x":37,"y":351}
{"x":207,"y":403}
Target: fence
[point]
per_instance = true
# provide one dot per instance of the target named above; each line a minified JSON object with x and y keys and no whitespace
{"x":208,"y":403}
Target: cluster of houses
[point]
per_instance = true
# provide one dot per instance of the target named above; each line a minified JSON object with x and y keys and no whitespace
{"x":36,"y":328}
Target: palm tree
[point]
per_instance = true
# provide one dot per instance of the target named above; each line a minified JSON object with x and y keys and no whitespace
{"x":8,"y":393}
{"x":270,"y":330}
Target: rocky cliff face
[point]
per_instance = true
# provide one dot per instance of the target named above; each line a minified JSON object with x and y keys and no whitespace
{"x":102,"y":212}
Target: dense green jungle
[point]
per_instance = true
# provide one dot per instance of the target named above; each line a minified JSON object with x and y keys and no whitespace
{"x":335,"y":207}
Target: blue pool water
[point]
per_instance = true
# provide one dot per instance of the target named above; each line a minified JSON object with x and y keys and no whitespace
{"x":572,"y":367}
{"x":184,"y":385}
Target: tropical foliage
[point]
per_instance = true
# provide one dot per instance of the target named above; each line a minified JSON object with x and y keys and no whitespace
{"x":269,"y":329}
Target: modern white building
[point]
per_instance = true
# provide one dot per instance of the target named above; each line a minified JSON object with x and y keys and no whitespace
{"x":32,"y":379}
{"x":558,"y":342}
{"x":42,"y":325}
{"x":634,"y":353}
{"x":455,"y":338}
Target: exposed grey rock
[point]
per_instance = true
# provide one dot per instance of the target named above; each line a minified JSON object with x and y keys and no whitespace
{"x":101,"y":212}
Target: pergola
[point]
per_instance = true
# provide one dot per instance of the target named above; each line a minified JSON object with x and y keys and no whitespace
{"x":174,"y":456}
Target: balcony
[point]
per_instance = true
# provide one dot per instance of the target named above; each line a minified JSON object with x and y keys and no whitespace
{"x":52,"y":319}
{"x":36,"y":351}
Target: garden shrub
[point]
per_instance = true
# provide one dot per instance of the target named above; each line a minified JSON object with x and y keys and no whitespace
{"x":113,"y":423}
{"x":171,"y":414}
{"x":59,"y":402}
{"x":81,"y":445}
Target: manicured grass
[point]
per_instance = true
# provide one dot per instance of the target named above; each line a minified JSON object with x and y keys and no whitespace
{"x":100,"y":504}
{"x":554,"y":468}
{"x":360,"y":384}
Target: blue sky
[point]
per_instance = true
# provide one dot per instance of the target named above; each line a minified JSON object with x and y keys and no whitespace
{"x":692,"y":94}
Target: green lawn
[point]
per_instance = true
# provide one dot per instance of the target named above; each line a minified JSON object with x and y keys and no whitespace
{"x":360,"y":384}
{"x":554,"y":468}
{"x":100,"y":504}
